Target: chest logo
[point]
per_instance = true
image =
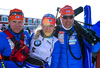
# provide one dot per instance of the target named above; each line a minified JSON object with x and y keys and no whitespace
{"x":37,"y":43}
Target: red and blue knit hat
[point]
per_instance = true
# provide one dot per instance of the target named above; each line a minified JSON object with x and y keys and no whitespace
{"x":48,"y":19}
{"x":16,"y":14}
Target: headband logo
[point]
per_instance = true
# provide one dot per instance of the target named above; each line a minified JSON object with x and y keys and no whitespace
{"x":17,"y":17}
{"x":50,"y":20}
{"x":68,"y":11}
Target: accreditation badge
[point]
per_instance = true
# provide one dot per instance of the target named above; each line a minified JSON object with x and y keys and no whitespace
{"x":25,"y":41}
{"x":72,"y":40}
{"x":11,"y":44}
{"x":61,"y":37}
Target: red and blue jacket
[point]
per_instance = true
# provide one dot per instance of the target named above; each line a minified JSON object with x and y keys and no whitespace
{"x":6,"y":47}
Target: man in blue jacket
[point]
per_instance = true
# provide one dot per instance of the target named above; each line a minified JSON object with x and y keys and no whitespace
{"x":75,"y":50}
{"x":14,"y":41}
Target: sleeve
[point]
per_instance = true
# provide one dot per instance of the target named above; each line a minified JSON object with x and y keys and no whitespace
{"x":96,"y":29}
{"x":5,"y":49}
{"x":55,"y":55}
{"x":31,"y":36}
{"x":0,"y":64}
{"x":30,"y":39}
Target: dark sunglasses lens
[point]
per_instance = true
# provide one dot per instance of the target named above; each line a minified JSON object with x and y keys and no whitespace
{"x":20,"y":13}
{"x":71,"y":17}
{"x":15,"y":13}
{"x":66,"y":17}
{"x":49,"y":15}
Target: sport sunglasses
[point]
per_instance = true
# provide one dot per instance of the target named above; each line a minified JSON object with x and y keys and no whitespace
{"x":49,"y":15}
{"x":66,"y":17}
{"x":15,"y":13}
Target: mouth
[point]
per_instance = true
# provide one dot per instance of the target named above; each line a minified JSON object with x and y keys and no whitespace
{"x":17,"y":29}
{"x":67,"y":23}
{"x":48,"y":31}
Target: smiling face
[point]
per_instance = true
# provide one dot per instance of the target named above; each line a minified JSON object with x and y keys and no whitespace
{"x":67,"y":21}
{"x":16,"y":25}
{"x":48,"y":30}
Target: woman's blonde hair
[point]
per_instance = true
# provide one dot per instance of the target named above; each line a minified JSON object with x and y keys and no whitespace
{"x":37,"y":32}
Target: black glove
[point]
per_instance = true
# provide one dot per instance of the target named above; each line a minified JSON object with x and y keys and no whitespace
{"x":93,"y":35}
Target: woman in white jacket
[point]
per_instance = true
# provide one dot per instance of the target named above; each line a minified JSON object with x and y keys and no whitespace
{"x":44,"y":45}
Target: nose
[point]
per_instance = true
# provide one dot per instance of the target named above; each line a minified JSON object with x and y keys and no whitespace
{"x":68,"y":18}
{"x":17,"y":24}
{"x":48,"y":27}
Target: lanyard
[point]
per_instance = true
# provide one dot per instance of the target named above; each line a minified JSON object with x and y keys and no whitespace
{"x":2,"y":61}
{"x":52,"y":46}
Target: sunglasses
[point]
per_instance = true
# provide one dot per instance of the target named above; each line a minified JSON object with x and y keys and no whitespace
{"x":49,"y":16}
{"x":66,"y":17}
{"x":15,"y":13}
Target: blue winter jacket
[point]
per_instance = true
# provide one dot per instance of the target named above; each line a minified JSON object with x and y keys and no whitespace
{"x":66,"y":59}
{"x":5,"y":48}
